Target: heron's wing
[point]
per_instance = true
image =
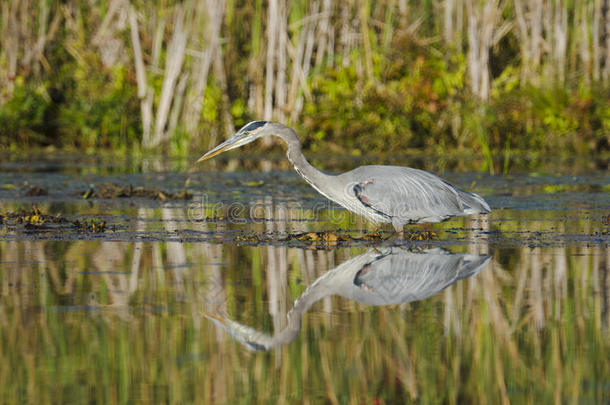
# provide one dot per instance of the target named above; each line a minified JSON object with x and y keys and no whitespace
{"x":407,"y":195}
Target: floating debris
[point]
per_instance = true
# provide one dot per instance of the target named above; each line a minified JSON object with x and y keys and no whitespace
{"x":252,"y":237}
{"x":375,"y":235}
{"x":113,"y":190}
{"x":325,"y":237}
{"x":93,"y":226}
{"x":421,"y":235}
{"x":333,"y":237}
{"x":36,"y":220}
{"x":35,"y":190}
{"x":313,"y":240}
{"x":88,"y":194}
{"x":253,"y":183}
{"x":31,"y":217}
{"x":328,"y":237}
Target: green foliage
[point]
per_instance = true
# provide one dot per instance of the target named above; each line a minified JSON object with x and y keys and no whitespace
{"x":82,"y":105}
{"x":98,"y":109}
{"x":420,"y":100}
{"x":404,"y":89}
{"x":551,"y":119}
{"x":408,"y":104}
{"x":22,"y":117}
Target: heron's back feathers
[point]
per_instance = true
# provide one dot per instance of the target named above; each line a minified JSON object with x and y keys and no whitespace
{"x":403,"y":195}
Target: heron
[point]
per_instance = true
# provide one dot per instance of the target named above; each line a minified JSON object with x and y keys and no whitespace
{"x":382,"y":194}
{"x":385,"y":276}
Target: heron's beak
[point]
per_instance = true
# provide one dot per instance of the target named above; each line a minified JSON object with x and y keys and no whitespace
{"x":219,"y":149}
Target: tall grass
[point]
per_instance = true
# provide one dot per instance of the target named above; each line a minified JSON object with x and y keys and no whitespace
{"x":128,"y":74}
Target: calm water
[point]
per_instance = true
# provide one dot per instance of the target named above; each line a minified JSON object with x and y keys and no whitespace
{"x":207,"y":301}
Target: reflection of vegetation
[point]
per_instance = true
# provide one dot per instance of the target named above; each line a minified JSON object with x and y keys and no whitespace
{"x":491,"y":77}
{"x":122,"y":323}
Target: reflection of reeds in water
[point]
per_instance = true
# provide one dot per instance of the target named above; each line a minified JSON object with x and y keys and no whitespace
{"x":75,"y":323}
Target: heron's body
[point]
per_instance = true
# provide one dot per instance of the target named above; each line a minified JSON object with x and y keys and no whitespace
{"x":382,"y":194}
{"x":402,"y":195}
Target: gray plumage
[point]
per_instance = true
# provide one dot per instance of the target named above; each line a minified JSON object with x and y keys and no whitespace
{"x":384,"y":276}
{"x":394,"y":276}
{"x":382,"y":194}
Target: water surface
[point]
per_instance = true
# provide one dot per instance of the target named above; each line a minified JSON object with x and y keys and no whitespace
{"x":206,"y":301}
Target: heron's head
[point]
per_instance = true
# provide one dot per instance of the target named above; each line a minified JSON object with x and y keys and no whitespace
{"x":245,"y":135}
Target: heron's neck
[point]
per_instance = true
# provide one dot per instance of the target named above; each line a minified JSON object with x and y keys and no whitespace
{"x":318,"y":180}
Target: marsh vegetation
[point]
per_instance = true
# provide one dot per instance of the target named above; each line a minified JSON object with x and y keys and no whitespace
{"x":493,"y":78}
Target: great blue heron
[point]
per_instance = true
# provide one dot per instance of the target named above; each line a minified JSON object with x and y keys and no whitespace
{"x":385,"y":276}
{"x":382,"y":194}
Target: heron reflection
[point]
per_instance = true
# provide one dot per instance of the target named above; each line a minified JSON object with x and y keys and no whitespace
{"x":384,"y":276}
